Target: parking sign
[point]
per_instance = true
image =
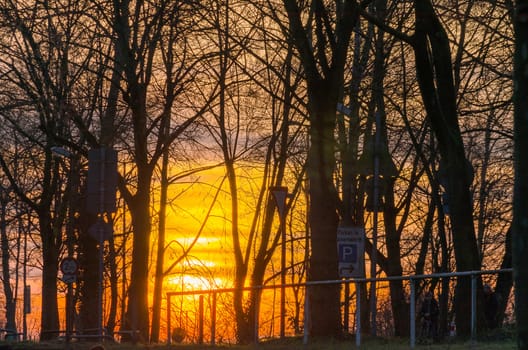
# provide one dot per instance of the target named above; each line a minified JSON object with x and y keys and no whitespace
{"x":350,"y":249}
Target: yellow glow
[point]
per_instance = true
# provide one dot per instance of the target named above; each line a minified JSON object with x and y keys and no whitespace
{"x":198,"y":241}
{"x":187,"y":282}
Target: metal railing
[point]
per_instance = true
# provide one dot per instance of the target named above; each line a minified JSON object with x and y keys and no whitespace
{"x":412,"y":280}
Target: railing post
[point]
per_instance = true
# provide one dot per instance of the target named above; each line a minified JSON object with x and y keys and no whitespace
{"x":213,"y":320}
{"x":256,"y":307}
{"x":358,"y":314}
{"x":201,"y":319}
{"x":169,"y":330}
{"x":306,"y":331}
{"x":473,"y":308}
{"x":346,"y":311}
{"x":412,"y":313}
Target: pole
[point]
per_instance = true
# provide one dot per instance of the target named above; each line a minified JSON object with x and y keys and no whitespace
{"x":412,"y":313}
{"x":358,"y":314}
{"x":200,"y":319}
{"x":373,"y":257}
{"x":123,"y":258}
{"x":70,"y":242}
{"x":280,"y":193}
{"x":27,"y":296}
{"x":213,"y":320}
{"x":283,"y":278}
{"x":69,"y":314}
{"x":100,"y":286}
{"x":307,"y":322}
{"x":169,"y":329}
{"x":473,"y":308}
{"x":257,"y":311}
{"x":346,"y":311}
{"x":101,"y":244}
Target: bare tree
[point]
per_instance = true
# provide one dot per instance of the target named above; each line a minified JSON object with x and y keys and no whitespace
{"x":322,"y":38}
{"x":10,"y":304}
{"x":251,"y":126}
{"x":37,"y":87}
{"x":520,"y":207}
{"x":140,"y":30}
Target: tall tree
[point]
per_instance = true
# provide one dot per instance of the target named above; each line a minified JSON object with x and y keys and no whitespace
{"x":10,"y":303}
{"x":37,"y":85}
{"x":435,"y":77}
{"x":321,"y":33}
{"x":140,"y":30}
{"x":240,"y":138}
{"x":520,"y":199}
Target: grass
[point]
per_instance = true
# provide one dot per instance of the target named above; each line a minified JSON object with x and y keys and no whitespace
{"x":286,"y":344}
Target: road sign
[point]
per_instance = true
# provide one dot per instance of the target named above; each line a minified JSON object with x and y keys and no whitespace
{"x":101,"y":231}
{"x":27,"y":299}
{"x":350,"y":249}
{"x":69,"y":266}
{"x":69,"y":278}
{"x":279,"y":194}
{"x":101,"y":181}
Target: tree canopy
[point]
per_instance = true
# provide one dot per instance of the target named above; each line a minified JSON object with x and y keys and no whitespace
{"x":399,"y":118}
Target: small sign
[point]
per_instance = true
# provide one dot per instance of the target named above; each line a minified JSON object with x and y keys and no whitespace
{"x":101,"y":181}
{"x":27,"y":299}
{"x":69,"y":278}
{"x":69,"y":266}
{"x":280,"y":193}
{"x":350,"y":249}
{"x":101,"y":231}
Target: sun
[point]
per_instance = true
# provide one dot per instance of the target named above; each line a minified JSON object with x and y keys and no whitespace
{"x":186,"y":282}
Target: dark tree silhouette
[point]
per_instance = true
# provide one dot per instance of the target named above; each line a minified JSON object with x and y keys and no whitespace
{"x":520,"y":198}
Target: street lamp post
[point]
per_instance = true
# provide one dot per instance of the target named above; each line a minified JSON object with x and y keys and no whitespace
{"x":279,"y":194}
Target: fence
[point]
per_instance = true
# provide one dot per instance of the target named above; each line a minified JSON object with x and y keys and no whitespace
{"x":194,"y":310}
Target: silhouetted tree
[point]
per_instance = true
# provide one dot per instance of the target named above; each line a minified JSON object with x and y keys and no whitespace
{"x":520,"y":206}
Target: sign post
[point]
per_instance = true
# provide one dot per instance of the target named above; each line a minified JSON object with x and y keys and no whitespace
{"x":69,"y":268}
{"x":350,"y":249}
{"x":280,"y":193}
{"x":101,"y":200}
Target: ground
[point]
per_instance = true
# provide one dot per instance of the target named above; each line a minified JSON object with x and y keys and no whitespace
{"x":288,"y":344}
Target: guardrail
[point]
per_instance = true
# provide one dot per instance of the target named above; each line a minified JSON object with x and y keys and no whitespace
{"x":10,"y":334}
{"x":67,"y":336}
{"x":357,"y":281}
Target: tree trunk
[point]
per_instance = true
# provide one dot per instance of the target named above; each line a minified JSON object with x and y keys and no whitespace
{"x":324,"y":300}
{"x":157,"y":296}
{"x":241,"y":267}
{"x":50,"y":254}
{"x":324,"y":80}
{"x":137,"y":316}
{"x":399,"y":305}
{"x":10,"y":304}
{"x":520,"y":197}
{"x":504,"y":283}
{"x":113,"y":279}
{"x":89,"y":277}
{"x":434,"y":73}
